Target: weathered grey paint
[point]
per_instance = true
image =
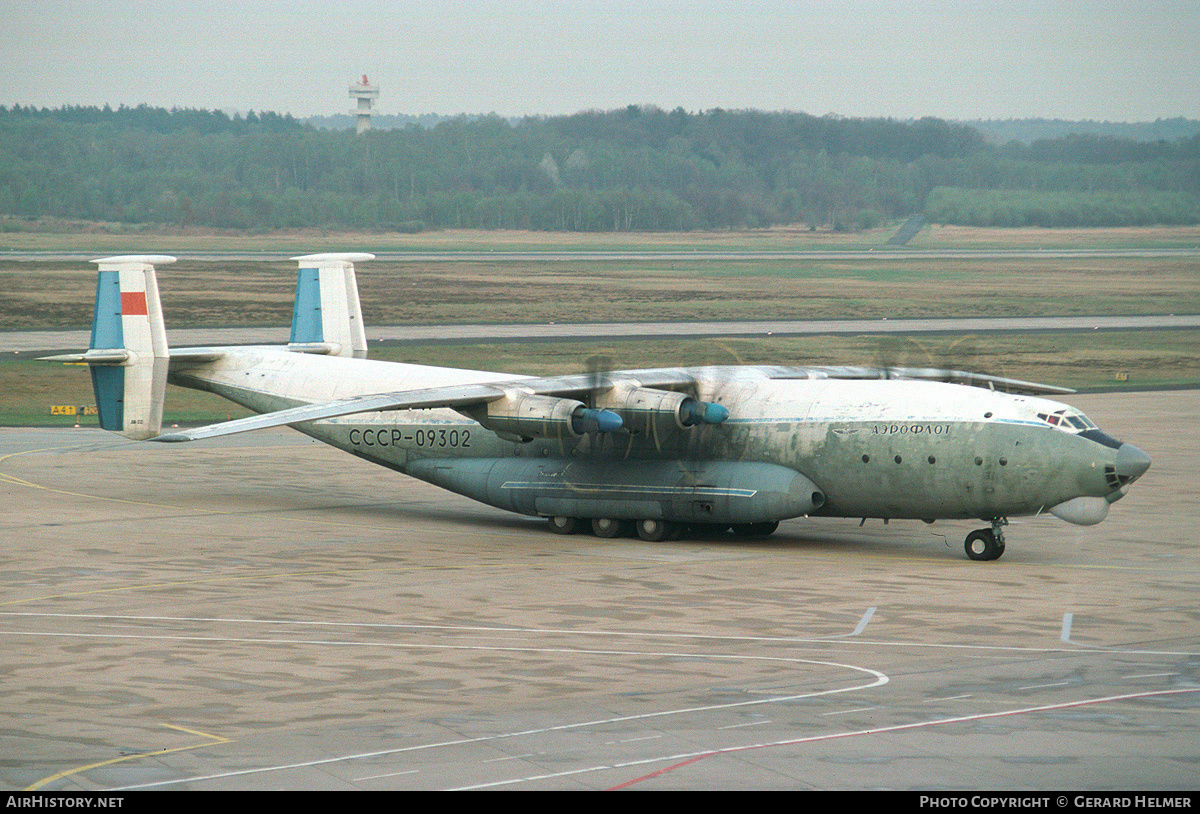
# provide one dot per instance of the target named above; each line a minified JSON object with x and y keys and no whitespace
{"x":875,"y":448}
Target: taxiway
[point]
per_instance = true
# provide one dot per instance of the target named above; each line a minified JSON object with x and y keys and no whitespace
{"x":264,"y":612}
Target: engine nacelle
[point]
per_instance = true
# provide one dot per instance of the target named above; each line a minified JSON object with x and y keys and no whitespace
{"x":643,"y":408}
{"x":525,"y":416}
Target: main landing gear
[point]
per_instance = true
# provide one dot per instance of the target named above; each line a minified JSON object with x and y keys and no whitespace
{"x":987,"y":544}
{"x":653,"y":530}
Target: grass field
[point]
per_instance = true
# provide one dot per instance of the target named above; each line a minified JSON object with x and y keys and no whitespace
{"x":57,"y":295}
{"x":111,"y":238}
{"x":40,"y":295}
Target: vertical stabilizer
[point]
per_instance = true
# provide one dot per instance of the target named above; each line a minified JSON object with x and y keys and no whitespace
{"x":130,"y":386}
{"x":327,"y":310}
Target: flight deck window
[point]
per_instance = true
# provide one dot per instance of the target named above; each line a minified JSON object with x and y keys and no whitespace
{"x":1075,"y":422}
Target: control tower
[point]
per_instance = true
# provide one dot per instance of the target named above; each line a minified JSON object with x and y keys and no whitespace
{"x":366,"y":94}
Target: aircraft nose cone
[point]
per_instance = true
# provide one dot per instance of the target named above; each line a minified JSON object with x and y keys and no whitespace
{"x":1131,"y":463}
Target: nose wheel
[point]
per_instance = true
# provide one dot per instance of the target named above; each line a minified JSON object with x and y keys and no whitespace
{"x":987,"y":544}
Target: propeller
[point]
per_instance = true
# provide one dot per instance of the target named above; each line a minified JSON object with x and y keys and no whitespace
{"x":597,"y":365}
{"x":895,"y":354}
{"x":589,"y":420}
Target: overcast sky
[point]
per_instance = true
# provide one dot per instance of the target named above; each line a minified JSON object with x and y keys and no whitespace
{"x":1116,"y":60}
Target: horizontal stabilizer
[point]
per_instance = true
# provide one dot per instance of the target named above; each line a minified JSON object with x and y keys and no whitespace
{"x":105,"y":356}
{"x":118,"y":356}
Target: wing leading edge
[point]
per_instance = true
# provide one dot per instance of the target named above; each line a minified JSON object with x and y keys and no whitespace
{"x":410,"y":400}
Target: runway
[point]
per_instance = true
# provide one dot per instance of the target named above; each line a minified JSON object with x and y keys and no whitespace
{"x":263,"y":612}
{"x":46,"y":341}
{"x":568,"y":255}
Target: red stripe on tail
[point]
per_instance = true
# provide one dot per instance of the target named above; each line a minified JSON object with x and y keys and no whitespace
{"x":133,"y":304}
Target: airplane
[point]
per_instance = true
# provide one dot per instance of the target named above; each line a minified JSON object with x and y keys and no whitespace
{"x":660,"y":452}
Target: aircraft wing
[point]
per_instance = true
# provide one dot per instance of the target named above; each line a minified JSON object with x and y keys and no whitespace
{"x":963,"y":377}
{"x":451,"y":396}
{"x":579,"y":385}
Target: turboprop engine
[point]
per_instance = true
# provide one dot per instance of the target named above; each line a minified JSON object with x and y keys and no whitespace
{"x":642,"y":408}
{"x":524,"y":416}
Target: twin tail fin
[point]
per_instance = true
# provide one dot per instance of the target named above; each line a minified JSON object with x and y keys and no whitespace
{"x":129,"y":358}
{"x":327,"y":317}
{"x":128,"y":355}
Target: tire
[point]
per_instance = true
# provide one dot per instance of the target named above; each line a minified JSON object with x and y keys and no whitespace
{"x":564,"y":525}
{"x":652,"y":531}
{"x":982,"y":545}
{"x":606,"y":527}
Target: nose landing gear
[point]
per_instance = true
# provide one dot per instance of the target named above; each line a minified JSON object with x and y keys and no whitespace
{"x":987,"y":544}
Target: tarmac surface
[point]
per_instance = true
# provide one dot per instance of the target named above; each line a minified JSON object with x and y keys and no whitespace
{"x":263,"y":612}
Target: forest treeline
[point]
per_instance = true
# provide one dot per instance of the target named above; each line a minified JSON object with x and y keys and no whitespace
{"x":638,"y":168}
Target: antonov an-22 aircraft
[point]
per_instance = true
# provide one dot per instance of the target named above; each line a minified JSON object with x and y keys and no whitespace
{"x":662,"y":451}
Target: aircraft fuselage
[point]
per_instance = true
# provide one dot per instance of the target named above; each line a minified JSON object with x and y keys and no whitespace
{"x":861,"y":448}
{"x":659,"y":450}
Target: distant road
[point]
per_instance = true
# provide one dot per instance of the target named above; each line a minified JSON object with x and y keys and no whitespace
{"x":565,"y":256}
{"x":37,"y":341}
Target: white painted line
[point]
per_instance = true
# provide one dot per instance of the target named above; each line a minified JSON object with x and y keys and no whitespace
{"x":849,"y":711}
{"x":380,"y":776}
{"x":511,"y":757}
{"x":845,"y":639}
{"x":879,"y":680}
{"x":685,"y":759}
{"x":748,"y":723}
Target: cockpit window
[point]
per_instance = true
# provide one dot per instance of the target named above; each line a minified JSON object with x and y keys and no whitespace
{"x":1068,"y":422}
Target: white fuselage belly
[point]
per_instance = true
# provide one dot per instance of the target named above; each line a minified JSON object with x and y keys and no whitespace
{"x":875,"y":448}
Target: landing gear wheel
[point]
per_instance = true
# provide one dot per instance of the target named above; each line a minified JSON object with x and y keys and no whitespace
{"x":606,"y":527}
{"x":565,"y":525}
{"x":982,"y":545}
{"x":653,"y":531}
{"x":755,"y":529}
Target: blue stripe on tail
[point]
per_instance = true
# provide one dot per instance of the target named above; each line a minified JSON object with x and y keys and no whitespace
{"x":106,"y":321}
{"x":108,"y":383}
{"x":306,"y":317}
